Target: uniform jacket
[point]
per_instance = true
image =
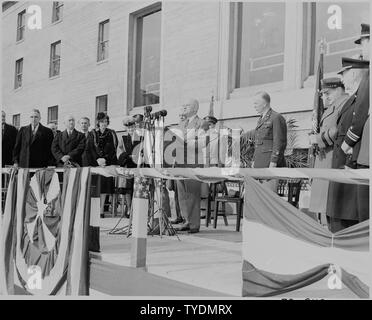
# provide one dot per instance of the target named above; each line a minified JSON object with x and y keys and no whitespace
{"x":270,"y":138}
{"x":328,"y":124}
{"x":325,"y":140}
{"x":64,"y":145}
{"x":33,"y":151}
{"x":361,"y":111}
{"x":342,"y":197}
{"x":8,"y":142}
{"x":345,"y":117}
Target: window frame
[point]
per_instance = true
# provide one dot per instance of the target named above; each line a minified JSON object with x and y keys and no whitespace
{"x":311,"y":48}
{"x":50,"y":112}
{"x":20,"y":26}
{"x":53,"y":60}
{"x":101,"y":42}
{"x":238,"y":16}
{"x":17,"y":73}
{"x":57,"y":5}
{"x":293,"y":57}
{"x":132,"y":53}
{"x":15,"y":117}
{"x":97,"y":103}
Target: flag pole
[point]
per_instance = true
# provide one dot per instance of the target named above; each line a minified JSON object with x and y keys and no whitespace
{"x":318,"y":107}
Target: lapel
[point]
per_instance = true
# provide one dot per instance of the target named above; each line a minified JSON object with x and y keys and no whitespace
{"x":347,"y":104}
{"x":262,"y":120}
{"x":329,"y":111}
{"x":192,"y":123}
{"x":39,"y":132}
{"x":28,"y":138}
{"x":72,"y":136}
{"x":64,"y":138}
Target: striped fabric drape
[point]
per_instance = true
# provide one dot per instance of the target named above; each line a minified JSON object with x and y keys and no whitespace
{"x":44,"y":233}
{"x":284,"y":249}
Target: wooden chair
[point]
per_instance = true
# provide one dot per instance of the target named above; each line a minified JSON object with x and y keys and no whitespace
{"x":294,"y":189}
{"x":225,"y":198}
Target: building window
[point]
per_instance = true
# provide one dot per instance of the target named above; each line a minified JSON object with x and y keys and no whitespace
{"x":103,"y":40}
{"x":17,"y":120}
{"x":260,"y":43}
{"x":18,"y":73}
{"x":55,"y":59}
{"x":338,"y":42}
{"x":101,"y":104}
{"x":53,"y":114}
{"x":21,"y":25}
{"x":57,"y":11}
{"x":145,"y":77}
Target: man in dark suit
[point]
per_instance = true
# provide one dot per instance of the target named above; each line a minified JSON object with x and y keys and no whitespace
{"x":9,"y":135}
{"x":270,"y":134}
{"x":86,"y":157}
{"x":33,"y":144}
{"x":68,"y":145}
{"x":342,"y":209}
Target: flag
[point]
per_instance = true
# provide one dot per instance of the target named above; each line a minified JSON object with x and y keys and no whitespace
{"x":318,"y":107}
{"x":285,"y":250}
{"x":44,"y":236}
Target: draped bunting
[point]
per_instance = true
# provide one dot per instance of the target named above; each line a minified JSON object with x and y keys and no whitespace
{"x":284,"y":249}
{"x":43,"y":239}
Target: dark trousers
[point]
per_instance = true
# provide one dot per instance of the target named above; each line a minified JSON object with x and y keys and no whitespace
{"x":362,"y":198}
{"x":335,"y":224}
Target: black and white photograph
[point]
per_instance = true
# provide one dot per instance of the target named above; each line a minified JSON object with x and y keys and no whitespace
{"x":185,"y":150}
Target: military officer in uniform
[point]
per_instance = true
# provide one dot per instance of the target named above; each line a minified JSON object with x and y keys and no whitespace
{"x":352,"y":142}
{"x":334,"y":97}
{"x":270,"y":134}
{"x":356,"y":142}
{"x":342,"y":207}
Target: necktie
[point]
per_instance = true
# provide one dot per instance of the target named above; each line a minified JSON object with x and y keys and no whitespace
{"x":34,"y":131}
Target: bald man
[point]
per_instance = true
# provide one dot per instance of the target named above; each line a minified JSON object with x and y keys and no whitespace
{"x":189,"y":190}
{"x":68,"y":145}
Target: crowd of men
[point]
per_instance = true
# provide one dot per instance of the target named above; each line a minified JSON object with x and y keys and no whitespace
{"x":343,"y":142}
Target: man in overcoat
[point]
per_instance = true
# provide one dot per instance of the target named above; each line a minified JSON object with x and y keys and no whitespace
{"x":334,"y":97}
{"x":8,"y":139}
{"x":342,"y":206}
{"x":33,"y":144}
